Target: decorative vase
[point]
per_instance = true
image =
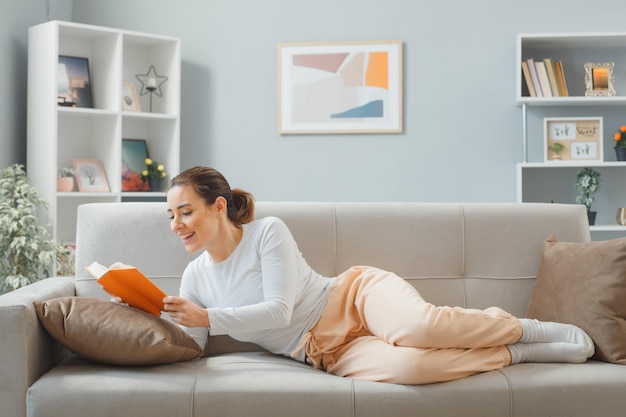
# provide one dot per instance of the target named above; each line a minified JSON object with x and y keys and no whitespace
{"x":65,"y":184}
{"x":620,"y":153}
{"x":156,"y":184}
{"x":591,"y":216}
{"x":621,"y":216}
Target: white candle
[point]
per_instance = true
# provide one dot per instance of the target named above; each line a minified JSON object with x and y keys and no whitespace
{"x":151,"y":83}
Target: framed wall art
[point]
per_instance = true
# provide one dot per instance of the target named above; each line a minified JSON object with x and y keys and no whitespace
{"x":130,"y":102}
{"x":90,"y":175}
{"x":73,"y":82}
{"x":134,"y":154}
{"x":571,"y":139}
{"x":340,"y":87}
{"x":599,"y":79}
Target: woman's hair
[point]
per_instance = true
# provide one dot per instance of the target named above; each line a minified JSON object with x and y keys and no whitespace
{"x":209,"y":184}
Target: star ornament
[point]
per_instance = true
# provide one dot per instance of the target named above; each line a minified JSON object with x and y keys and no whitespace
{"x":151,"y":82}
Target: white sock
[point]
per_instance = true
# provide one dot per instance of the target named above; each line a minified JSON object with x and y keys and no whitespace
{"x":535,"y":331}
{"x":549,"y":352}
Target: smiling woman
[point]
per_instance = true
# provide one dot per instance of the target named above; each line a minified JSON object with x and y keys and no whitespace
{"x":251,"y":282}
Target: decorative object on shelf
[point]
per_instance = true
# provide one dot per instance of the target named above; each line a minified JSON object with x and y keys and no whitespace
{"x":581,"y":135}
{"x":621,"y":216}
{"x":361,"y":91}
{"x":65,"y":179}
{"x":130,"y":102}
{"x":155,"y":174}
{"x":74,"y":85}
{"x":620,"y":144}
{"x":27,"y":253}
{"x":588,"y":183}
{"x":556,"y":148}
{"x":134,"y":154}
{"x":90,"y":175}
{"x":599,"y":79}
{"x":151,"y":83}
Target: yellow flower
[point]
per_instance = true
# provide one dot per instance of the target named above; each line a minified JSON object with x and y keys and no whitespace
{"x":154,"y":170}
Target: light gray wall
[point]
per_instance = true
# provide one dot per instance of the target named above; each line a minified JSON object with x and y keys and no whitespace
{"x":462,"y":133}
{"x":15,"y":19}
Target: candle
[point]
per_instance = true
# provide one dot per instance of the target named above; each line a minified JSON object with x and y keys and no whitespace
{"x":151,"y":83}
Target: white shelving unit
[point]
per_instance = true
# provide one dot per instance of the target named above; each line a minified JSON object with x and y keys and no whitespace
{"x":539,"y":181}
{"x":57,"y":134}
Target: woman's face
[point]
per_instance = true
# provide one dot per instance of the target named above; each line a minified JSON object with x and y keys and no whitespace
{"x":195,"y":222}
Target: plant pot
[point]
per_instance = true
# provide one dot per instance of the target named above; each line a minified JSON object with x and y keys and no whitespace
{"x":620,"y":153}
{"x":156,"y":184}
{"x":65,"y":184}
{"x":591,"y":216}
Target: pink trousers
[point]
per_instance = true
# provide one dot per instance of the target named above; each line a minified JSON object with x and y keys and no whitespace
{"x":377,"y":327}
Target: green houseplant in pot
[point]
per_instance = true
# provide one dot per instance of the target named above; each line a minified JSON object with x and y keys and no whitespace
{"x":155,"y":174}
{"x":27,"y":253}
{"x":65,"y":179}
{"x":587,"y":184}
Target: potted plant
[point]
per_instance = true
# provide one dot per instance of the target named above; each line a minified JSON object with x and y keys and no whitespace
{"x":155,"y":174}
{"x":27,"y":253}
{"x":556,"y":147}
{"x":620,"y":143}
{"x":65,"y":179}
{"x":588,"y":183}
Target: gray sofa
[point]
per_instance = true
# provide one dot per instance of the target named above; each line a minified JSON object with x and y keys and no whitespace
{"x":473,"y":255}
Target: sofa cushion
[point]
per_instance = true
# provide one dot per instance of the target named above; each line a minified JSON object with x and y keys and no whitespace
{"x":585,"y":284}
{"x":115,"y":334}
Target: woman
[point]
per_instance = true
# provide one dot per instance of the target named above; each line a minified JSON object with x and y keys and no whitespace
{"x":252,"y":283}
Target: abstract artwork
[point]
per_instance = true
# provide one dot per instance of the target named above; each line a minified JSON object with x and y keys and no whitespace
{"x":336,"y":87}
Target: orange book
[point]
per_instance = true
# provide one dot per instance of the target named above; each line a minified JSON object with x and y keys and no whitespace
{"x":130,"y":285}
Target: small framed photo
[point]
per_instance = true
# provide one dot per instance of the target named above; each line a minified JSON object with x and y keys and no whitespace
{"x":573,"y":139}
{"x":134,"y":154}
{"x":73,"y":82}
{"x":130,"y":102}
{"x":340,"y":87}
{"x":599,"y":79}
{"x":90,"y":175}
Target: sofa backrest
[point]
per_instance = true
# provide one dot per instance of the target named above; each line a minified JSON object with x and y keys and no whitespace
{"x":472,"y":255}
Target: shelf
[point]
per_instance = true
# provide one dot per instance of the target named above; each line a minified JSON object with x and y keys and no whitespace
{"x":564,"y":164}
{"x":572,"y":101}
{"x":607,"y":228}
{"x":58,"y":135}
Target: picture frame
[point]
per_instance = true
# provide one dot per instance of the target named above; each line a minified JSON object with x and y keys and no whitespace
{"x":73,"y":82}
{"x":340,"y":87}
{"x":599,"y":79}
{"x":130,"y":100}
{"x":90,"y":175}
{"x":573,"y":140}
{"x":134,"y":154}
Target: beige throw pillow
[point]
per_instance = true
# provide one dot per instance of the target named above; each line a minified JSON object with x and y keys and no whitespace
{"x":115,"y":334}
{"x":585,"y":284}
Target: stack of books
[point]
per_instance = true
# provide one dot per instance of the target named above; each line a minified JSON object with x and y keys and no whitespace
{"x":544,"y":78}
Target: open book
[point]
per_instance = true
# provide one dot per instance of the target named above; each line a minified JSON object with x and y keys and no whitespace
{"x":130,"y":285}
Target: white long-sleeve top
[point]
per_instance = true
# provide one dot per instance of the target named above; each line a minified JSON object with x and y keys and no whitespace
{"x":264,"y":292}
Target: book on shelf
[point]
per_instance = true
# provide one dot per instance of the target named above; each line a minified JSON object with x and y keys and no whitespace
{"x":535,"y":77}
{"x":560,"y":78}
{"x":129,"y":284}
{"x":543,"y":79}
{"x":551,"y":76}
{"x":528,"y":79}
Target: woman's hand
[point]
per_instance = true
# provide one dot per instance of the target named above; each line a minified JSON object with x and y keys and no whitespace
{"x":185,"y":312}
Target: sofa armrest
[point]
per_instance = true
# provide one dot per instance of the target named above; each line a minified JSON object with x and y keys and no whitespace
{"x":26,"y":349}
